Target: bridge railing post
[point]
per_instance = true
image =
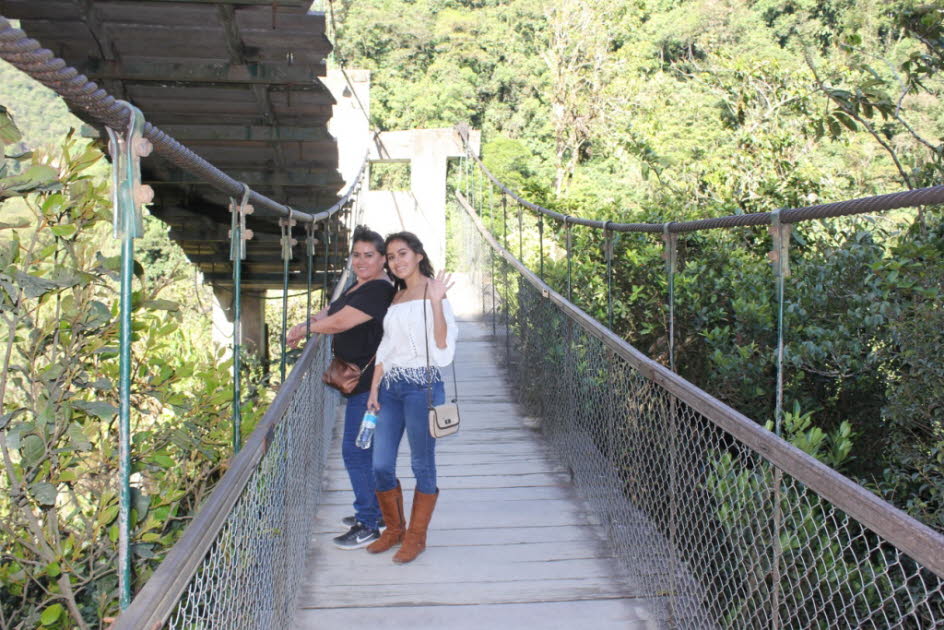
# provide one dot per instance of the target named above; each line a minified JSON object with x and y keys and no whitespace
{"x":288,"y":243}
{"x":128,"y":195}
{"x":309,"y":268}
{"x":670,"y":255}
{"x":238,"y":235}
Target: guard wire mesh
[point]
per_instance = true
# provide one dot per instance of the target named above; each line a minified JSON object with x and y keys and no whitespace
{"x":250,"y":575}
{"x":728,"y":538}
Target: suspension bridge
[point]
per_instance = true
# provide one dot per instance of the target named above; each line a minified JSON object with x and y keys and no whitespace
{"x":590,"y":483}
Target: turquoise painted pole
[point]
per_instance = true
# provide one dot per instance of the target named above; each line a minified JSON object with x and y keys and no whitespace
{"x":128,"y":194}
{"x":124,"y":425}
{"x":608,"y":255}
{"x":309,"y":265}
{"x":287,"y":243}
{"x":671,"y":255}
{"x":568,"y":235}
{"x":780,"y":260}
{"x":237,"y":252}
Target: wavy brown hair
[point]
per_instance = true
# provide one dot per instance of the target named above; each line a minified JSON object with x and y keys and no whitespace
{"x":416,"y":246}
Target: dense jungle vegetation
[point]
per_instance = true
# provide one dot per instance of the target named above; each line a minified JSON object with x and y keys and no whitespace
{"x":58,"y":377}
{"x":667,"y":110}
{"x":623,"y":110}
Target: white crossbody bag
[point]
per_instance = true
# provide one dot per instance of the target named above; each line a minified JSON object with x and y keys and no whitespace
{"x":443,"y":419}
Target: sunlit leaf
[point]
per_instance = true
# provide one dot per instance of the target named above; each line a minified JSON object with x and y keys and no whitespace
{"x":33,"y":286}
{"x":103,"y":410}
{"x":44,"y":492}
{"x":51,"y":615}
{"x":33,"y":448}
{"x":36,"y":177}
{"x":63,"y":231}
{"x":9,"y":133}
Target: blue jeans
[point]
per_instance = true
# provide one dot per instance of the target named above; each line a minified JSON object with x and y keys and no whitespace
{"x":357,"y":461}
{"x":403,"y":406}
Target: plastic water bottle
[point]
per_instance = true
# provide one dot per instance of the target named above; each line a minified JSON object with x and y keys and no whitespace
{"x":366,"y":434}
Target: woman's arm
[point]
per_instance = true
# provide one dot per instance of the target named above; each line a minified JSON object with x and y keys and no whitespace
{"x":372,"y":404}
{"x":439,"y":324}
{"x":345,"y":319}
{"x":437,"y":293}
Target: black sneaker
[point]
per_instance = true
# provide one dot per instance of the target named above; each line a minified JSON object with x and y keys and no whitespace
{"x":358,"y":536}
{"x":351,"y":521}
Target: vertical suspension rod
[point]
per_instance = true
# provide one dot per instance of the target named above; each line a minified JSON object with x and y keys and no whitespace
{"x":238,"y":235}
{"x":309,"y":268}
{"x":504,"y":220}
{"x":568,"y":238}
{"x":326,"y":232}
{"x":608,"y":254}
{"x":128,"y":194}
{"x":288,"y":243}
{"x":670,"y":255}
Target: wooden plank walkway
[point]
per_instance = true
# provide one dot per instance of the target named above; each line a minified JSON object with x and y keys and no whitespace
{"x":510,"y":544}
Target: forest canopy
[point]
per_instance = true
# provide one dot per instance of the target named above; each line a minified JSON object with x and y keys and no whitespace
{"x":668,"y":110}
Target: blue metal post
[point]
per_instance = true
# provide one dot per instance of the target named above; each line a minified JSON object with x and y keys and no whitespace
{"x":608,"y":254}
{"x":237,"y":253}
{"x":327,"y":250}
{"x":670,"y":255}
{"x":287,"y":244}
{"x":128,"y":194}
{"x":780,"y":261}
{"x":309,"y":265}
{"x":567,"y":229}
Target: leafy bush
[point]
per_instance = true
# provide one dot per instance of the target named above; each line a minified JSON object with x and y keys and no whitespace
{"x":58,"y":442}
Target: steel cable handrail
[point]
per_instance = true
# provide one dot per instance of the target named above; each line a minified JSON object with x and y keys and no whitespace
{"x":876,"y":203}
{"x":29,"y":56}
{"x":164,"y":590}
{"x":917,"y":539}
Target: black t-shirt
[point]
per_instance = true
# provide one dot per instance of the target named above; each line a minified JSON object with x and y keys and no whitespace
{"x":359,"y":344}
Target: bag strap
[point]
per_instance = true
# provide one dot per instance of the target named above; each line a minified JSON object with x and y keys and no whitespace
{"x":335,"y":355}
{"x":429,"y":370}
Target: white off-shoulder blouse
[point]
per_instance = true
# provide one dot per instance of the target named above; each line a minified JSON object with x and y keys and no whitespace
{"x":401,"y":350}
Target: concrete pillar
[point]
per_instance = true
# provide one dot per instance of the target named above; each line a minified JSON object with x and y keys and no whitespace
{"x":350,"y":118}
{"x":252,"y":314}
{"x":422,"y":210}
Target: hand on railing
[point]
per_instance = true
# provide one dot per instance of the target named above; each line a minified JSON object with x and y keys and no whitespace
{"x":298,"y":332}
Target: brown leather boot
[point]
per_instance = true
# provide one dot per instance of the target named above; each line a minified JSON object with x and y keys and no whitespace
{"x":415,"y":540}
{"x":391,"y":506}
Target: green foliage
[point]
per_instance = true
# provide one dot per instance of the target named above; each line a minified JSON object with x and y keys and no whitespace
{"x":59,"y":334}
{"x":685,"y":110}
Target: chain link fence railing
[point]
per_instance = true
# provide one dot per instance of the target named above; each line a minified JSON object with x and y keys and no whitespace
{"x":240,"y":563}
{"x":733,"y":526}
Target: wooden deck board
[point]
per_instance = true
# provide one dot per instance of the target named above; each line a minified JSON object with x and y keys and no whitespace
{"x":510,"y":544}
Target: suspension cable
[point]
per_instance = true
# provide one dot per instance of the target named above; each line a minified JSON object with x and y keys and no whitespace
{"x":876,"y":203}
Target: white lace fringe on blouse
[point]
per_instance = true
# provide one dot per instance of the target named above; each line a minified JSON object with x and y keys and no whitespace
{"x":401,"y":350}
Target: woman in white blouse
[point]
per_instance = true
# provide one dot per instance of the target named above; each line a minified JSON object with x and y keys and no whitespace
{"x":400,"y":388}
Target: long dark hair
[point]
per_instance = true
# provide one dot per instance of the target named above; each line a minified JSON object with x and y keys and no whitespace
{"x":363,"y":234}
{"x":416,"y":246}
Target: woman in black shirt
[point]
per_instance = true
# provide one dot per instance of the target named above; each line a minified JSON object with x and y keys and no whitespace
{"x":356,"y":321}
